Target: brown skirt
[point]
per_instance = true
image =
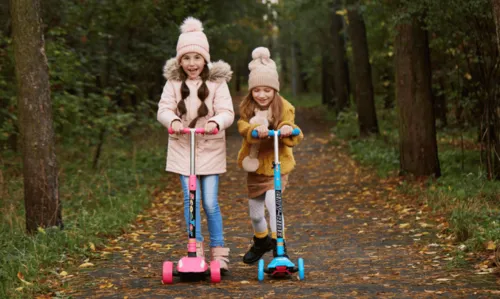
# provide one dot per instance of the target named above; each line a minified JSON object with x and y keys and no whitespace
{"x":258,"y":184}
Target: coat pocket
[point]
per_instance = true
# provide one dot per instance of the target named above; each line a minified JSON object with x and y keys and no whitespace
{"x":213,"y":143}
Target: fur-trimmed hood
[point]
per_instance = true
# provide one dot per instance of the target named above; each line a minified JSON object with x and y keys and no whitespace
{"x":219,"y":71}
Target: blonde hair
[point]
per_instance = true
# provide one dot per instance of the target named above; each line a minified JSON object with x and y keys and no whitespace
{"x":248,"y":106}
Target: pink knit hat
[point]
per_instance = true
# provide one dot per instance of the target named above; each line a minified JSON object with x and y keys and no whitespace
{"x":263,"y":70}
{"x":192,"y":39}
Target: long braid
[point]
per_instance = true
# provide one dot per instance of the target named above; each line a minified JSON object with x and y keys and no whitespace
{"x":202,"y":95}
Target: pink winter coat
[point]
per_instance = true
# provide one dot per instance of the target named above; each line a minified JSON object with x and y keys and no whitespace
{"x":210,"y":149}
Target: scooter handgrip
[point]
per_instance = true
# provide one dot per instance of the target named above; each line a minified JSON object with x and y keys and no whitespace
{"x":197,"y":130}
{"x":295,"y":132}
{"x":202,"y":131}
{"x":184,"y":131}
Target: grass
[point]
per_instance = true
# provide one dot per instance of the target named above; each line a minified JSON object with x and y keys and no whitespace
{"x":97,"y":204}
{"x":469,"y":200}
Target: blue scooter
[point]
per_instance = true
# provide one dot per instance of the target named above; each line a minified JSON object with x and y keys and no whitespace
{"x":281,"y":265}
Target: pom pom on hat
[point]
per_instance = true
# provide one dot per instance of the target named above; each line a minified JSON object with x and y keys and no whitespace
{"x":261,"y":52}
{"x":191,"y":24}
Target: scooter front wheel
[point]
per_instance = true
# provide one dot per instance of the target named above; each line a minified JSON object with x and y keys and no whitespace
{"x":260,"y":274}
{"x":215,"y":275}
{"x":168,"y":273}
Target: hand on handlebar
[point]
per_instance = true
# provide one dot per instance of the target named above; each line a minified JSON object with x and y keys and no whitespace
{"x":210,"y":127}
{"x":177,"y":126}
{"x":286,"y":131}
{"x":263,"y":131}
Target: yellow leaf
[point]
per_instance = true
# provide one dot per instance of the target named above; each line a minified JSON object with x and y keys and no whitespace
{"x":92,"y":246}
{"x":491,"y":246}
{"x":63,"y":273}
{"x":244,"y":282}
{"x":21,"y":278}
{"x":425,"y":225}
{"x":86,"y":265}
{"x":19,"y":289}
{"x":468,"y":76}
{"x":404,"y":225}
{"x":41,"y":230}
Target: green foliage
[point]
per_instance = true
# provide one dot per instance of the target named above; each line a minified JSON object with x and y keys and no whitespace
{"x":308,"y":100}
{"x":96,"y":205}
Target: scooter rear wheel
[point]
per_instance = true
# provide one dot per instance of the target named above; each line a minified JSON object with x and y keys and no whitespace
{"x":168,"y":273}
{"x":301,"y":268}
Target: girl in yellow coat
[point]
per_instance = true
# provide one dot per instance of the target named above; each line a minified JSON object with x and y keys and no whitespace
{"x":261,"y":110}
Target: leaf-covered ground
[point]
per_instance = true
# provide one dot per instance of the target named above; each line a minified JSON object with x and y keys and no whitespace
{"x":359,"y":237}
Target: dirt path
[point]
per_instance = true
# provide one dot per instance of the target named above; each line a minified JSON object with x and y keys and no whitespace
{"x":357,"y":236}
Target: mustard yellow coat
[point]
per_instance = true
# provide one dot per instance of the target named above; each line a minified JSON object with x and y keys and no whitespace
{"x":266,"y":149}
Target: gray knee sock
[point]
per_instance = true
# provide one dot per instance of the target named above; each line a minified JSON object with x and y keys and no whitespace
{"x":257,"y":215}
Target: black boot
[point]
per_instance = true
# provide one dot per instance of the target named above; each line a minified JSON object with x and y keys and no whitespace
{"x":259,"y":247}
{"x":275,"y":252}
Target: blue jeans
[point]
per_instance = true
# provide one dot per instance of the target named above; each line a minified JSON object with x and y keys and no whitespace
{"x":209,"y":191}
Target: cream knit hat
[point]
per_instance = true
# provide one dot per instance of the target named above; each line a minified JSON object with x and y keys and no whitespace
{"x":262,"y":70}
{"x":192,"y":39}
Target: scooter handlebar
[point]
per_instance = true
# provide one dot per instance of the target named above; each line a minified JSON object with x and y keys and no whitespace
{"x":196,"y":130}
{"x":295,"y":132}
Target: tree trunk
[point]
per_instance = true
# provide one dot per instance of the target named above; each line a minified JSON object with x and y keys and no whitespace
{"x":284,"y":68}
{"x":300,"y":82}
{"x":237,"y":75}
{"x":367,"y":117}
{"x":294,"y":72}
{"x":496,"y":14}
{"x":327,"y":93}
{"x":41,"y":194}
{"x":440,"y":106}
{"x":496,"y":153}
{"x":341,"y":71}
{"x":417,"y":130}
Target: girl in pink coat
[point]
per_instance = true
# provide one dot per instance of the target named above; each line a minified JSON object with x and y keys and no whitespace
{"x":197,"y":95}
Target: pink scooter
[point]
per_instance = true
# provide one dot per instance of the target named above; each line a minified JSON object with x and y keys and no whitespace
{"x":191,"y":266}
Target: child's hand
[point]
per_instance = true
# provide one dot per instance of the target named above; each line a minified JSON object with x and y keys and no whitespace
{"x":177,"y":126}
{"x":210,"y":127}
{"x":286,"y":131}
{"x":263,"y":131}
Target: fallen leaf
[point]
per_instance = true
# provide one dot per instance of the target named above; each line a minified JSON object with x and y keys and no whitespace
{"x":425,"y":225}
{"x":86,"y":265}
{"x":444,"y":279}
{"x":21,"y":278}
{"x":491,"y":245}
{"x":404,"y":225}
